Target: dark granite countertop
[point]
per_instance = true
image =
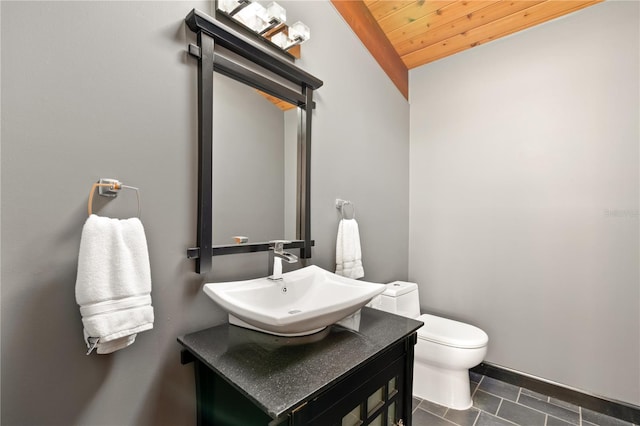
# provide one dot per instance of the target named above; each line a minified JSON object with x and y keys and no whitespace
{"x":278,"y":373}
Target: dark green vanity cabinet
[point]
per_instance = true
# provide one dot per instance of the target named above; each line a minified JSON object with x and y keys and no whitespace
{"x":337,"y":377}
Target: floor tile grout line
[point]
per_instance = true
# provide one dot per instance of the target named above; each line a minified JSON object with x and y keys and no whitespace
{"x":563,"y":420}
{"x":517,"y":402}
{"x":548,"y":414}
{"x":578,"y":407}
{"x":477,"y":417}
{"x":442,"y":417}
{"x":499,"y":396}
{"x":499,"y":405}
{"x":426,"y":410}
{"x":557,"y":406}
{"x":572,"y":409}
{"x":536,"y":410}
{"x":475,"y":390}
{"x":579,"y":416}
{"x":502,"y":418}
{"x":493,"y":394}
{"x":566,"y":408}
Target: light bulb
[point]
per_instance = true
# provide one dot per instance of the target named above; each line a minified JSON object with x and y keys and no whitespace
{"x":253,"y":16}
{"x":277,"y":13}
{"x":299,"y":33}
{"x":280,"y":39}
{"x":231,"y":6}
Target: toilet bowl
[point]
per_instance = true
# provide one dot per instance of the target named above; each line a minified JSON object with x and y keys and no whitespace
{"x":444,"y":352}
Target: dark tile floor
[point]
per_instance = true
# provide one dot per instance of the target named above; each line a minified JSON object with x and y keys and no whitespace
{"x":497,"y":403}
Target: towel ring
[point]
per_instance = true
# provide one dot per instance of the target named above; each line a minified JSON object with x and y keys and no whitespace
{"x":340,"y":206}
{"x":112,"y":187}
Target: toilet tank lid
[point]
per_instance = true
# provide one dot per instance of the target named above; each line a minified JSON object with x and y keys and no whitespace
{"x":398,"y":288}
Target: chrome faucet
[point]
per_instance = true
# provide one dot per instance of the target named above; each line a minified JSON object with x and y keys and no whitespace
{"x":277,"y":251}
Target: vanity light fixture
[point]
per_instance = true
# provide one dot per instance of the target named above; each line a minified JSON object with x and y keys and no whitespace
{"x":275,"y":15}
{"x":297,"y":33}
{"x":231,"y":7}
{"x":268,"y":22}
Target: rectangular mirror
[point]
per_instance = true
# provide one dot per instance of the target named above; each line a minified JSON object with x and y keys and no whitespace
{"x":255,"y":169}
{"x":254,"y":165}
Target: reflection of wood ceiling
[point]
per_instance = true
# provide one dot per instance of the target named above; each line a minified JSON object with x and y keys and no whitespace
{"x":421,"y":31}
{"x":283,"y":105}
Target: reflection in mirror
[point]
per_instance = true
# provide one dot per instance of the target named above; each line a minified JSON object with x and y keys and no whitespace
{"x":254,"y":165}
{"x":291,"y":118}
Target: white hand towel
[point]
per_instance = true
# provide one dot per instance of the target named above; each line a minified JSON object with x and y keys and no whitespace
{"x":348,"y":252}
{"x":113,"y":285}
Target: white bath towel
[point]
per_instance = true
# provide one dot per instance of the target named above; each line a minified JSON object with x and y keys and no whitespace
{"x":113,"y":285}
{"x":348,"y":252}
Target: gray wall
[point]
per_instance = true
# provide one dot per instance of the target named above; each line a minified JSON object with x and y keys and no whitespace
{"x":360,"y":146}
{"x":524,"y":197}
{"x":105,"y":89}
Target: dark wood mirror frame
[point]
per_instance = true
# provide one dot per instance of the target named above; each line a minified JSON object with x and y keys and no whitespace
{"x":212,"y":33}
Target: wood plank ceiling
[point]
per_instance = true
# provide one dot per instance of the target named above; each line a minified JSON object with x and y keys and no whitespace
{"x":423,"y":31}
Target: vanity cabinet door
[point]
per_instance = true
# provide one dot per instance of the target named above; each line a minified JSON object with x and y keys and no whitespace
{"x":372,"y":395}
{"x":380,"y":408}
{"x":220,"y":404}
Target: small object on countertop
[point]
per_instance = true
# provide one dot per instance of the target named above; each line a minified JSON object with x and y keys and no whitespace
{"x":239,"y":239}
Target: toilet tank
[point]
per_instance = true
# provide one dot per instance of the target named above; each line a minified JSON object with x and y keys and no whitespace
{"x":401,"y":298}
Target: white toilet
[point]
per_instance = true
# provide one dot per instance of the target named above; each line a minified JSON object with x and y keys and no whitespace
{"x":445,"y":351}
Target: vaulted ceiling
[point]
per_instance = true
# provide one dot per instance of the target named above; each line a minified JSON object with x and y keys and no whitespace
{"x":405,"y":34}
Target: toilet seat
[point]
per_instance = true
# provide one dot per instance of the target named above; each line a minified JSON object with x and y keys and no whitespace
{"x":451,"y":333}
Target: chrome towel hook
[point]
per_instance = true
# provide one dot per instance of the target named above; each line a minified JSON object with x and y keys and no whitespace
{"x":110,"y":188}
{"x":340,"y":206}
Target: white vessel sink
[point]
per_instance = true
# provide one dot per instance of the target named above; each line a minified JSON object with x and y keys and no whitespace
{"x":304,"y":302}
